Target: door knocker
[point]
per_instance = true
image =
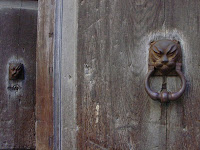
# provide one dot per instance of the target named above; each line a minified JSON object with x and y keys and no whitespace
{"x":16,"y":71}
{"x":165,"y":59}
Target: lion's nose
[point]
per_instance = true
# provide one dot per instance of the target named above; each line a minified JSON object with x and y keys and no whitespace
{"x":165,"y":59}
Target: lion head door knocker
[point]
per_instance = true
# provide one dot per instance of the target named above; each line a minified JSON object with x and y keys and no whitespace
{"x":16,"y":71}
{"x":165,"y":59}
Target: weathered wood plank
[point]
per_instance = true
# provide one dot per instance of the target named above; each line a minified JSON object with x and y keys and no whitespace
{"x":44,"y":76}
{"x":18,"y":45}
{"x":27,"y":51}
{"x":182,"y":20}
{"x":57,"y":74}
{"x":114,"y":112}
{"x":68,"y":75}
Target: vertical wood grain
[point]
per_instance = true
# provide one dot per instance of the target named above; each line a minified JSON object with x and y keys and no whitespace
{"x":68,"y":75}
{"x":18,"y":45}
{"x":114,"y":112}
{"x":57,"y":74}
{"x":183,"y":119}
{"x":44,"y":76}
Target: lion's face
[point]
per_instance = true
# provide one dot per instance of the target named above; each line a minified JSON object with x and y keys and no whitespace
{"x":164,"y":54}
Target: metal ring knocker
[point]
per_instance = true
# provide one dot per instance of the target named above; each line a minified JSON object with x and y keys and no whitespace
{"x":168,"y":49}
{"x":165,"y":96}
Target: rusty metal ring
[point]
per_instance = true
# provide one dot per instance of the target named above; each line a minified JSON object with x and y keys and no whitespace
{"x":165,"y":96}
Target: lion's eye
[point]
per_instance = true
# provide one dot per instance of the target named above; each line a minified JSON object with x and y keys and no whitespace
{"x":171,"y":53}
{"x":172,"y":50}
{"x":157,"y":52}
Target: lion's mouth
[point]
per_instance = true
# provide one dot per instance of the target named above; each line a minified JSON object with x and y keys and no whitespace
{"x":165,"y":68}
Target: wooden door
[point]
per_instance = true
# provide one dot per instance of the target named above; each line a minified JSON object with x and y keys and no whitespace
{"x":18,"y":30}
{"x":113,"y":110}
